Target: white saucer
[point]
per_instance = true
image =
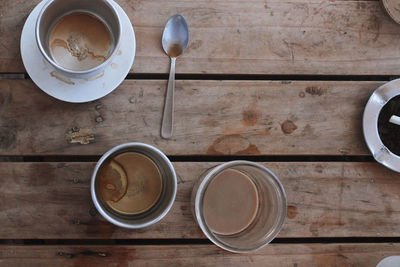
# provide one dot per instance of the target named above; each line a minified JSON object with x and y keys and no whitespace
{"x":392,"y":261}
{"x":76,"y":90}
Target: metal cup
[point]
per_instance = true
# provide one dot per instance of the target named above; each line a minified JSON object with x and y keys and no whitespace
{"x":160,"y":209}
{"x":54,"y":10}
{"x":376,"y":102}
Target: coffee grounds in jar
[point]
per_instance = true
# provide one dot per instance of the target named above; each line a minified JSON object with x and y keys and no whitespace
{"x":389,"y":132}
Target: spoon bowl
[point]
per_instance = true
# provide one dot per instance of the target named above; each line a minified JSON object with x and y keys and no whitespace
{"x":175,"y":40}
{"x":175,"y":37}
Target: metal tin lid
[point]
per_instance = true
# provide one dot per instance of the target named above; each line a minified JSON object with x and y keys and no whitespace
{"x":392,"y":7}
{"x":377,"y":101}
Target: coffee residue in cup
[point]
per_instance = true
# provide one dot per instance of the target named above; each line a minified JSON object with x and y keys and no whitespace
{"x":80,"y":41}
{"x":230,"y":203}
{"x":113,"y":181}
{"x":130,"y":183}
{"x":389,"y":132}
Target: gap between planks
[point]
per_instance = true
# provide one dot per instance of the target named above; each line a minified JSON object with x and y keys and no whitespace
{"x":234,"y":77}
{"x":193,"y":241}
{"x":283,"y":158}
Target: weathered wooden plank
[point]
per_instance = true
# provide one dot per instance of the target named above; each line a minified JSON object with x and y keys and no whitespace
{"x":198,"y":255}
{"x":52,"y":200}
{"x":253,"y":37}
{"x":211,"y":118}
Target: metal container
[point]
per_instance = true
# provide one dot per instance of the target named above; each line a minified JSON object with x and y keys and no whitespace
{"x":165,"y":201}
{"x":377,"y":101}
{"x":269,"y":218}
{"x":54,"y":10}
{"x":392,"y":8}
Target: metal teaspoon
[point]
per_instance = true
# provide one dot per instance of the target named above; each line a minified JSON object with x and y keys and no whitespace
{"x":175,"y":40}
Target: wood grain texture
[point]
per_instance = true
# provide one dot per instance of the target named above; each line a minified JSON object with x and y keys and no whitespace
{"x":52,"y":201}
{"x":211,"y":118}
{"x":251,"y":37}
{"x":343,"y":255}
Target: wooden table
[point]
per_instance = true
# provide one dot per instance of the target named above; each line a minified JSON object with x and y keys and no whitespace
{"x":283,"y":83}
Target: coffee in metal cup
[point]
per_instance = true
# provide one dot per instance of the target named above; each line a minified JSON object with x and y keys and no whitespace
{"x":79,"y":38}
{"x":134,"y":185}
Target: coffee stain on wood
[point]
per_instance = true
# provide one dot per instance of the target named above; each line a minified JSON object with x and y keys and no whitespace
{"x":292,"y":212}
{"x":288,"y":127}
{"x":234,"y":144}
{"x":325,"y":222}
{"x":80,"y":136}
{"x":308,"y":131}
{"x":250,"y":117}
{"x":388,"y":210}
{"x":209,"y":122}
{"x":369,"y":212}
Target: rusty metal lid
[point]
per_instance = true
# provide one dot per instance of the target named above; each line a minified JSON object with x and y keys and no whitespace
{"x":372,"y":111}
{"x":392,"y":7}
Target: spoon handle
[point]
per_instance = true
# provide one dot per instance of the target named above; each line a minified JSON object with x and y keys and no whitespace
{"x":168,"y":117}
